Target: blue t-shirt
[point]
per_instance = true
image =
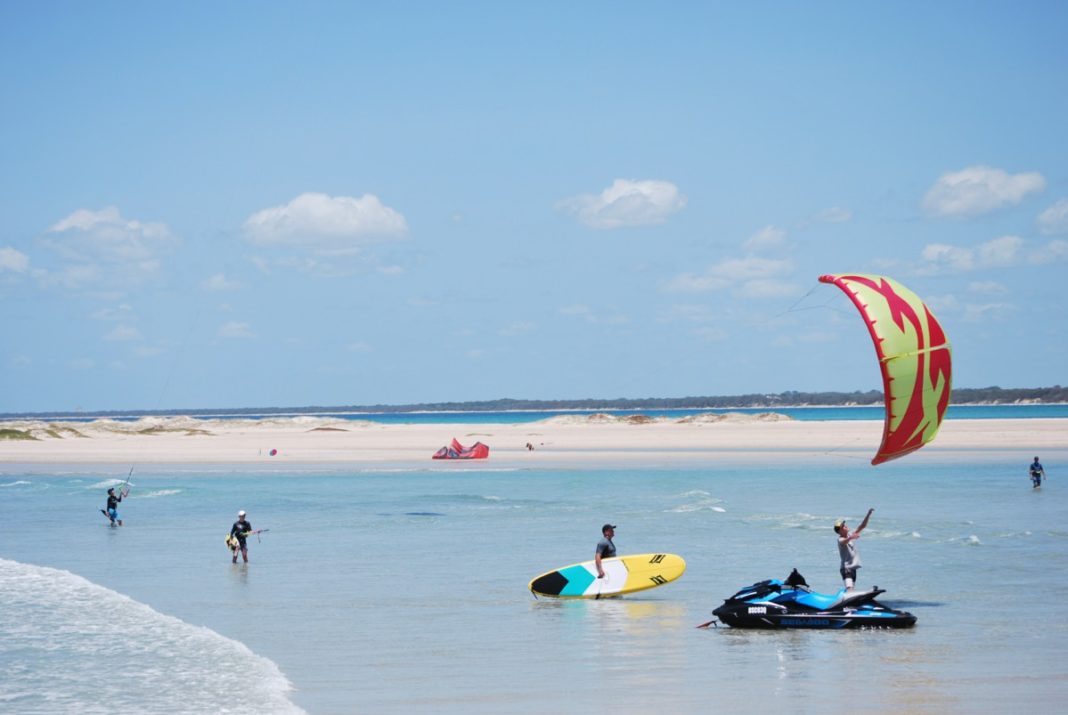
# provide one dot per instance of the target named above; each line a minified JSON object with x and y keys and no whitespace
{"x":606,"y":548}
{"x":1036,"y":467}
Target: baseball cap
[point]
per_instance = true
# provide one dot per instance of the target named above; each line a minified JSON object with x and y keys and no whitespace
{"x":839,"y":524}
{"x":606,"y":527}
{"x":241,"y":513}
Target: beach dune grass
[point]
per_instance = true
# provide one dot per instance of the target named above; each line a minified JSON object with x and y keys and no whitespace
{"x":16,"y":434}
{"x":188,"y":431}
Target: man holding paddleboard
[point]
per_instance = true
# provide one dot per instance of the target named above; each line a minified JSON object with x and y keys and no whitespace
{"x":605,"y":548}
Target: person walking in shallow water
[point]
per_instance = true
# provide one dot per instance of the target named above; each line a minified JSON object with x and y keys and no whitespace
{"x":847,"y":549}
{"x":238,"y":533}
{"x":605,"y":548}
{"x":1037,"y":473}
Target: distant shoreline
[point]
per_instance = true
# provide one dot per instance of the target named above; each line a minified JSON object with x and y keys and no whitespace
{"x":266,"y":412}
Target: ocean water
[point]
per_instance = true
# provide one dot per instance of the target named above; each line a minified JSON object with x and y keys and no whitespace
{"x":805,"y":414}
{"x":401,"y":590}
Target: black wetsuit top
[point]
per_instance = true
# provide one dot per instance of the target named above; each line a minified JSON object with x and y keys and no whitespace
{"x":113,"y":501}
{"x":239,"y":529}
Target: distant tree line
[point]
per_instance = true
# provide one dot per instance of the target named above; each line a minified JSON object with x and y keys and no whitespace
{"x":960,"y":396}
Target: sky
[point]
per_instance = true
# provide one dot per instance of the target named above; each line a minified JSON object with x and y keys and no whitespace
{"x":253,"y":204}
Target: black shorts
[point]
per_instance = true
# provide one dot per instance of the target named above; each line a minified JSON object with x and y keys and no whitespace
{"x":848,"y":573}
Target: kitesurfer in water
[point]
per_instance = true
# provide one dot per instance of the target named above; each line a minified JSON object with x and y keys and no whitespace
{"x":240,"y":531}
{"x":113,"y":507}
{"x":1037,"y":473}
{"x":847,"y":549}
{"x":605,"y":548}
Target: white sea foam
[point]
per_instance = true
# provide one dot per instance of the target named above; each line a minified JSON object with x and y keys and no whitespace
{"x":701,"y":501}
{"x":70,"y":645}
{"x":16,"y":483}
{"x":159,"y":493}
{"x":106,"y":483}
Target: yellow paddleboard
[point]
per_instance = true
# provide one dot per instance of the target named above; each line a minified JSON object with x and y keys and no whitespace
{"x":622,"y":574}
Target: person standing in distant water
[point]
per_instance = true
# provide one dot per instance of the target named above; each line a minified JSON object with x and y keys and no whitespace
{"x":1037,"y":474}
{"x":847,"y":549}
{"x":113,"y":507}
{"x":240,"y":531}
{"x":605,"y":548}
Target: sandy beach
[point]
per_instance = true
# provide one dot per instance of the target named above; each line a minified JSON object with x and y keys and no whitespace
{"x":581,"y":441}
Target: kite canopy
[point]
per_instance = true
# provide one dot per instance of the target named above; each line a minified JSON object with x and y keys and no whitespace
{"x":914,"y":357}
{"x":455,"y":450}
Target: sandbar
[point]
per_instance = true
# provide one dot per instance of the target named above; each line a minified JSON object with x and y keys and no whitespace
{"x":580,"y":441}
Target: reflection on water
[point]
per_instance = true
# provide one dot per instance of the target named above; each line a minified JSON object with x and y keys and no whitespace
{"x":643,"y":642}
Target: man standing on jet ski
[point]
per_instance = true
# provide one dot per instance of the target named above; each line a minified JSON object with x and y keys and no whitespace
{"x":847,"y":549}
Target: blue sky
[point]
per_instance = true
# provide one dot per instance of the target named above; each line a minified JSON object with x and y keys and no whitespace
{"x":261,"y":204}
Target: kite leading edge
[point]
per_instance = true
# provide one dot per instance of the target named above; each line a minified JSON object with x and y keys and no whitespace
{"x":914,"y":357}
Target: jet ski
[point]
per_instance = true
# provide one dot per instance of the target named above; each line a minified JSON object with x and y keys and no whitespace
{"x":792,"y":604}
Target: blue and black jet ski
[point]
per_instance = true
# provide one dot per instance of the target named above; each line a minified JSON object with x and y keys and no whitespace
{"x":792,"y":604}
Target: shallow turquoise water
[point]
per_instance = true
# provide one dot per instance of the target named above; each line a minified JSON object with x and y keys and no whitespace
{"x":366,"y":606}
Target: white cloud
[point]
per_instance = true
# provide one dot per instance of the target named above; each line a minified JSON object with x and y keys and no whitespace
{"x":987,"y":311}
{"x":1000,"y":251}
{"x":1054,"y":220}
{"x":1053,"y":252}
{"x":234,"y":329}
{"x":835,"y":214}
{"x":769,"y":288}
{"x":580,"y":310}
{"x":74,"y":276}
{"x":590,"y":316}
{"x":321,"y":221}
{"x":733,"y":271}
{"x":696,"y":283}
{"x":626,"y":203}
{"x":219,"y":282}
{"x":943,"y":303}
{"x":13,"y":260}
{"x":106,"y":235}
{"x":120,"y":312}
{"x":988,"y":287}
{"x":765,"y":238}
{"x":941,"y":256}
{"x":103,"y":247}
{"x":123,"y":333}
{"x":996,"y":253}
{"x":977,"y":190}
